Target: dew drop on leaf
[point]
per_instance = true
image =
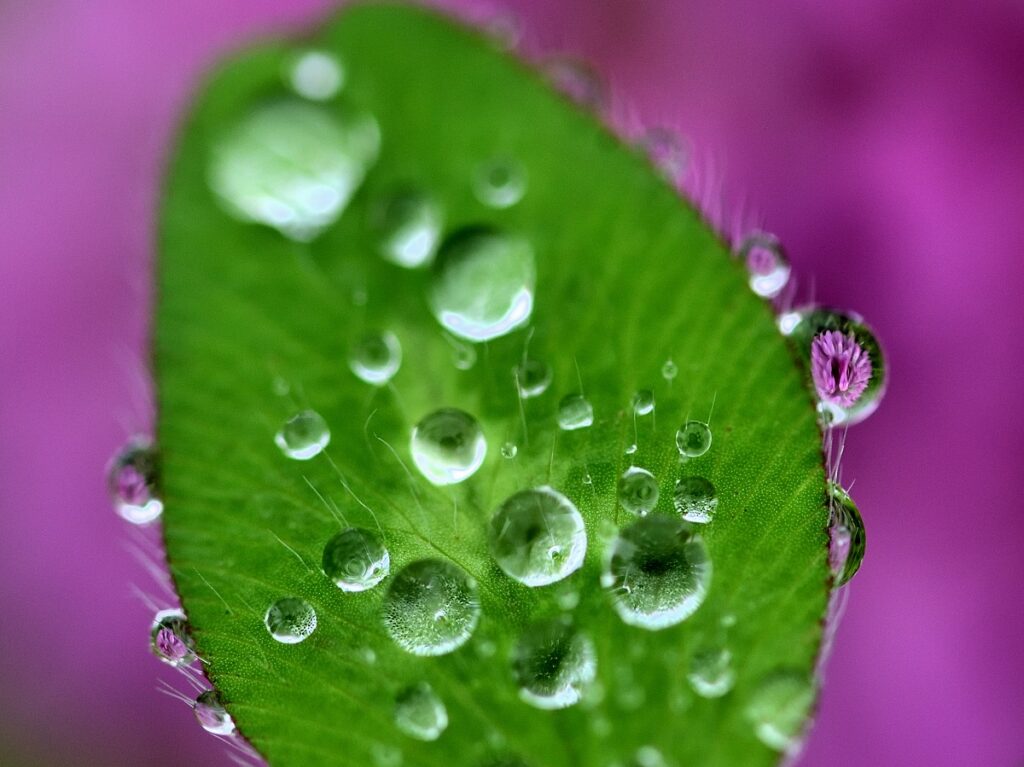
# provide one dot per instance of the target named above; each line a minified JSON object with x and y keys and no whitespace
{"x":356,"y":560}
{"x":420,"y":713}
{"x":847,"y":535}
{"x":169,"y":638}
{"x":448,"y":446}
{"x":658,"y":572}
{"x":290,"y":620}
{"x":316,"y":75}
{"x":210,"y":713}
{"x":553,"y":664}
{"x":431,"y":608}
{"x":695,"y":499}
{"x":500,"y":182}
{"x":575,"y":412}
{"x":638,"y":491}
{"x":376,"y":357}
{"x":643,"y":402}
{"x":509,"y":450}
{"x":766,"y":263}
{"x":711,"y":674}
{"x":532,"y":378}
{"x":131,"y":482}
{"x":407,"y":224}
{"x":669,"y":370}
{"x":778,"y":707}
{"x":303,"y":436}
{"x":693,"y":439}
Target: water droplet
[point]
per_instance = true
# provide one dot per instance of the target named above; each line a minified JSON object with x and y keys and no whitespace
{"x":668,"y":152}
{"x":766,"y":263}
{"x":659,"y":572}
{"x":532,"y":377}
{"x":316,"y":75}
{"x":500,"y":182}
{"x":169,"y":638}
{"x":575,"y":412}
{"x":648,"y":756}
{"x":846,"y":363}
{"x":131,"y":482}
{"x":695,"y":499}
{"x":463,"y":354}
{"x":431,"y":608}
{"x":376,"y":357}
{"x":483,"y":288}
{"x":553,"y":664}
{"x":778,"y":707}
{"x":293,"y":166}
{"x":728,"y":620}
{"x":537,"y":536}
{"x":386,"y":755}
{"x":280,"y":386}
{"x":568,"y":599}
{"x":303,"y":436}
{"x":693,"y":439}
{"x":631,"y":448}
{"x":669,"y":370}
{"x":848,"y":537}
{"x":711,"y":674}
{"x":356,"y":560}
{"x":408,"y":226}
{"x":509,"y":450}
{"x":210,"y":713}
{"x":643,"y":402}
{"x":577,"y":80}
{"x":420,"y":713}
{"x":787,"y":322}
{"x":290,"y":620}
{"x":638,"y":491}
{"x":448,"y":446}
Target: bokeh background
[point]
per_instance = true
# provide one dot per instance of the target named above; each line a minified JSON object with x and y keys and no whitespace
{"x":883,"y":140}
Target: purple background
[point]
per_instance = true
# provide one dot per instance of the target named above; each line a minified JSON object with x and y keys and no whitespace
{"x":883,"y":140}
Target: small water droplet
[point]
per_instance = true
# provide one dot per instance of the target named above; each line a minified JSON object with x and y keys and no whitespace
{"x":316,"y":75}
{"x":290,"y":620}
{"x":356,"y":560}
{"x":695,"y":499}
{"x":643,"y":402}
{"x":848,"y":537}
{"x":537,"y":536}
{"x":131,"y":482}
{"x":668,"y":152}
{"x":420,"y":713}
{"x":693,"y":439}
{"x":575,"y":412}
{"x":711,"y":674}
{"x":638,"y":491}
{"x":431,"y":608}
{"x":376,"y":357}
{"x":659,"y":572}
{"x":766,"y":263}
{"x":386,"y":755}
{"x":463,"y":354}
{"x":484,"y":285}
{"x":532,"y":377}
{"x":448,"y":446}
{"x":577,"y":80}
{"x":631,"y":448}
{"x":303,"y":436}
{"x":210,"y":713}
{"x":169,"y":638}
{"x":553,"y":664}
{"x":728,"y":620}
{"x":648,"y":756}
{"x":778,"y":708}
{"x":280,"y":386}
{"x":500,"y":182}
{"x":669,"y":370}
{"x":846,"y":363}
{"x":407,"y":224}
{"x":509,"y":450}
{"x":293,"y":166}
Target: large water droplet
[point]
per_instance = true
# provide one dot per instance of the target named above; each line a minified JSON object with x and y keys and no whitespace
{"x":131,"y":482}
{"x":484,"y":285}
{"x":693,"y":439}
{"x":537,"y":536}
{"x":638,"y":491}
{"x":420,"y":713}
{"x":408,"y":227}
{"x":293,"y":166}
{"x":500,"y":182}
{"x":659,"y":572}
{"x":575,"y":412}
{"x":846,"y":363}
{"x":778,"y":708}
{"x":553,"y":664}
{"x":210,"y":713}
{"x":431,"y":608}
{"x":448,"y":446}
{"x":290,"y":620}
{"x":848,"y":537}
{"x":643,"y":402}
{"x":532,"y":377}
{"x":316,"y":75}
{"x":169,"y":638}
{"x":376,"y":357}
{"x":303,"y":436}
{"x":695,"y":499}
{"x":356,"y":560}
{"x":766,"y":263}
{"x":711,"y":674}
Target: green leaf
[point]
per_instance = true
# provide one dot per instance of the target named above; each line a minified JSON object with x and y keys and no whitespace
{"x":627,"y":276}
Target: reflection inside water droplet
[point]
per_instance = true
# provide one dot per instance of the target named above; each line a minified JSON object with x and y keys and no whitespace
{"x":131,"y":482}
{"x":766,"y":264}
{"x":290,"y":620}
{"x":210,"y":713}
{"x":695,"y":499}
{"x":638,"y":491}
{"x":356,"y":560}
{"x":848,"y":537}
{"x":169,"y":638}
{"x":693,"y":439}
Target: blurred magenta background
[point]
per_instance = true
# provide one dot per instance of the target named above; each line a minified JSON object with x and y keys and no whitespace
{"x":883,"y":140}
